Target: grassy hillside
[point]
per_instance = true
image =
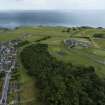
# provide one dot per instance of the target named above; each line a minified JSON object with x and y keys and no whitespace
{"x":54,"y":37}
{"x":81,"y":56}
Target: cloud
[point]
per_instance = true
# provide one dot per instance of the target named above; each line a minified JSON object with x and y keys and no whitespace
{"x":51,"y":4}
{"x":78,"y":4}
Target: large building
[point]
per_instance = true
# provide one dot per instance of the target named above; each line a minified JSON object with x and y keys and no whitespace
{"x":74,"y":43}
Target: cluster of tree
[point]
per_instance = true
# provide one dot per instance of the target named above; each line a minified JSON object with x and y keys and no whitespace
{"x":44,"y":38}
{"x":100,"y":28}
{"x":70,"y":29}
{"x":76,"y":28}
{"x":86,"y":27}
{"x":22,"y":43}
{"x":60,"y":83}
{"x":4,"y":29}
{"x":99,"y":35}
{"x":2,"y":74}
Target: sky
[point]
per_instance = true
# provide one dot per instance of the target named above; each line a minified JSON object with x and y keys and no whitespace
{"x":51,"y":4}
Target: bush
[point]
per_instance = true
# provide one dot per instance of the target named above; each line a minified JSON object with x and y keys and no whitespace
{"x":99,"y":35}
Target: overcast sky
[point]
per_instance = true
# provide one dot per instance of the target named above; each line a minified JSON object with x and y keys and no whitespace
{"x":51,"y":4}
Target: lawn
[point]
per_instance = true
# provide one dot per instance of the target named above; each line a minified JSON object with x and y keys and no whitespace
{"x":28,"y":91}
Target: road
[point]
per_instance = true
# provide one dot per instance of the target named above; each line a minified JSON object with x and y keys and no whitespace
{"x":3,"y":100}
{"x":5,"y":89}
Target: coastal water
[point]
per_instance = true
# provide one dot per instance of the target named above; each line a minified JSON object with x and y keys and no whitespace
{"x":12,"y":19}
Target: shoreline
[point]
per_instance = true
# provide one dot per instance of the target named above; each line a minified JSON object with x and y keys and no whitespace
{"x":63,"y":26}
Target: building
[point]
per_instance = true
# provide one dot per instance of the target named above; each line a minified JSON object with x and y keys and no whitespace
{"x":74,"y":43}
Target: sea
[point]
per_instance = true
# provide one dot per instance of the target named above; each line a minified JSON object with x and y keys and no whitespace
{"x":69,"y":18}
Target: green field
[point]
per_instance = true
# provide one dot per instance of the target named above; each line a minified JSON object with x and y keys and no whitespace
{"x":28,"y":90}
{"x":94,"y":56}
{"x":81,"y":56}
